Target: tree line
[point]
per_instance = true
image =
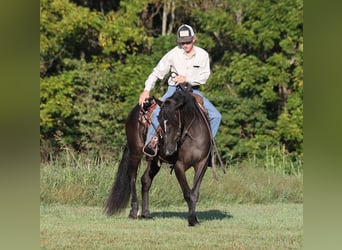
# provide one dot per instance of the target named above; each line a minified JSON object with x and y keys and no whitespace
{"x":96,"y":55}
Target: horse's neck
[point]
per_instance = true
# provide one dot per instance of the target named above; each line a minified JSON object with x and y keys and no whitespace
{"x":199,"y":118}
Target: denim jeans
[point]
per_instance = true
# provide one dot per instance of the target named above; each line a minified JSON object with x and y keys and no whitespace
{"x":214,"y":114}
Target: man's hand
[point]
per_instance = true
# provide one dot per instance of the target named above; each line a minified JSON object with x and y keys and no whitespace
{"x":143,"y":96}
{"x":180,"y":79}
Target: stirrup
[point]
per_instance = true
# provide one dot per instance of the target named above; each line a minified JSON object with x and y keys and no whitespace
{"x":151,"y":150}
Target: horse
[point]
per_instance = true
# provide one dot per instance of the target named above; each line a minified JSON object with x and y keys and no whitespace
{"x":185,"y":141}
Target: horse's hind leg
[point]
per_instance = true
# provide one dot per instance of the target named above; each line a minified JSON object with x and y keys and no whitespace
{"x":134,"y":163}
{"x":146,"y":182}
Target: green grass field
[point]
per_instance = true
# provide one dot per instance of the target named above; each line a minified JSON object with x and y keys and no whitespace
{"x":248,"y":208}
{"x":256,"y":226}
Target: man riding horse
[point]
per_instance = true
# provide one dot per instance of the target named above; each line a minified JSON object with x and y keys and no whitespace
{"x":190,"y":64}
{"x":183,"y":123}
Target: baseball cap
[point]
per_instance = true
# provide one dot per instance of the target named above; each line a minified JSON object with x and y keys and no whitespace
{"x":185,"y":34}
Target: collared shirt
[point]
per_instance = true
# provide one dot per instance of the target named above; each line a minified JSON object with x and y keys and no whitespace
{"x":196,"y":69}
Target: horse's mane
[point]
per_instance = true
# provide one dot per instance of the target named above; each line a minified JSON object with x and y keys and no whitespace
{"x":184,"y":101}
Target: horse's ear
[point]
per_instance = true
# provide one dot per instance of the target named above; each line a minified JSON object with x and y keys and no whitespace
{"x":159,"y":102}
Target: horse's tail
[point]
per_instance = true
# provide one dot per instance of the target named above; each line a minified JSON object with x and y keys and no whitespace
{"x":121,"y":190}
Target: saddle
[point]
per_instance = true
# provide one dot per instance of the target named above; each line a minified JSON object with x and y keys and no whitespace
{"x":146,"y":112}
{"x":199,"y":100}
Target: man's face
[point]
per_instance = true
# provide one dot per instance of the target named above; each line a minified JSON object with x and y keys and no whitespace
{"x":187,"y":46}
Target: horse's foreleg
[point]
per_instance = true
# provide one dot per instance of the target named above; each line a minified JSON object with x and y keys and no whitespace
{"x":194,"y":194}
{"x":146,"y":182}
{"x":191,"y":195}
{"x":187,"y":194}
{"x":198,"y":177}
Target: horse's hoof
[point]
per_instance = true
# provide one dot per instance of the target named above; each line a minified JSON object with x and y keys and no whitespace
{"x":133,"y":217}
{"x":192,"y":224}
{"x":147,"y":217}
{"x":193,"y":221}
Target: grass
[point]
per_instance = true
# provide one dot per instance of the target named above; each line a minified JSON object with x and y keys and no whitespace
{"x":223,"y":226}
{"x":248,"y":208}
{"x":88,"y":184}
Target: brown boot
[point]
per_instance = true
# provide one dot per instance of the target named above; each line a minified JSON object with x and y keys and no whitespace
{"x":151,"y":148}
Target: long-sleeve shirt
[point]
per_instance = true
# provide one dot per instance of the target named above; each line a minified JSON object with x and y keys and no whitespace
{"x":196,"y":69}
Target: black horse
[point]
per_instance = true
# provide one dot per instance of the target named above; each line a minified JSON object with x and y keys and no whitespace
{"x":185,"y":141}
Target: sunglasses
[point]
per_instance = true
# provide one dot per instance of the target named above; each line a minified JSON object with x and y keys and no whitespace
{"x":186,"y":43}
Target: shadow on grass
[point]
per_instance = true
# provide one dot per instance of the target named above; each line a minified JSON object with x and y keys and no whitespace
{"x":201,"y":215}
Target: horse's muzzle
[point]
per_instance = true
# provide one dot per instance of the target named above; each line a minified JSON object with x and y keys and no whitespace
{"x":170,"y":150}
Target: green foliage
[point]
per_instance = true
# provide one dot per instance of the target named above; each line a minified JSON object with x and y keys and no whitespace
{"x":122,"y":32}
{"x":85,"y":97}
{"x":95,"y":60}
{"x":66,"y":31}
{"x":57,"y":93}
{"x":261,"y":71}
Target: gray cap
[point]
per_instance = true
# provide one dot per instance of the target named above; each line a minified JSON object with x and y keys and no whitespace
{"x":185,"y":34}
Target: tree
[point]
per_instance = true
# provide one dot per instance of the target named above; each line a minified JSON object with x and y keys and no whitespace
{"x":96,"y":55}
{"x":84,"y":77}
{"x":259,"y":65}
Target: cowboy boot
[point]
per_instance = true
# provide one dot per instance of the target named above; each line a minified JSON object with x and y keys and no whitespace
{"x":151,"y":148}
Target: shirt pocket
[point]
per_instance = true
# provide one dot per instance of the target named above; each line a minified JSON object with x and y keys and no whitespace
{"x":197,"y":65}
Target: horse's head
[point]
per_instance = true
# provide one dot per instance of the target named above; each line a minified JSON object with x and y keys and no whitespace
{"x":170,"y":122}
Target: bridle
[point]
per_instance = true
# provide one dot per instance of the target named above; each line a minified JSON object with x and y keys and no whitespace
{"x":179,"y":129}
{"x":186,"y":88}
{"x":181,"y":136}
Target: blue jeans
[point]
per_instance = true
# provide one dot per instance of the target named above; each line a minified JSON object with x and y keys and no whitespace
{"x":214,"y":114}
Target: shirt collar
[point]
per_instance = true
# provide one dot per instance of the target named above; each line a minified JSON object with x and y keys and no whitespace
{"x":185,"y":54}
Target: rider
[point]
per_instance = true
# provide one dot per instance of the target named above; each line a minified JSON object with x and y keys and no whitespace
{"x":191,"y":64}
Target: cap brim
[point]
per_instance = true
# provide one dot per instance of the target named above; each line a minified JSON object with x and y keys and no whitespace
{"x":185,"y":39}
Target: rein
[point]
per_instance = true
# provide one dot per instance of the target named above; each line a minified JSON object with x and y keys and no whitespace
{"x":187,"y":129}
